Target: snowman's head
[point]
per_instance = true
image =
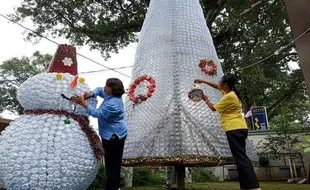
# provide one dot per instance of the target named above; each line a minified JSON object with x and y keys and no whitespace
{"x":46,"y":91}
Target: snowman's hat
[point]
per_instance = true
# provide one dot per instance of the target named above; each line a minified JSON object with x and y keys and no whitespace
{"x":64,"y":60}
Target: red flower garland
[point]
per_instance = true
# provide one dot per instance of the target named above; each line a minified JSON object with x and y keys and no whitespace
{"x":91,"y":134}
{"x":207,"y":62}
{"x":141,"y":98}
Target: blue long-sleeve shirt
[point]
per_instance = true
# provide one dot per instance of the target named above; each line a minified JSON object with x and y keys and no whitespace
{"x":110,"y":114}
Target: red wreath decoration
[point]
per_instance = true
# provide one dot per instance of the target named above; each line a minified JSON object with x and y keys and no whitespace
{"x":208,"y":62}
{"x":141,"y":97}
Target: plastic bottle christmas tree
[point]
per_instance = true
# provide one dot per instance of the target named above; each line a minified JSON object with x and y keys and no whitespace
{"x":165,"y":127}
{"x":52,"y":145}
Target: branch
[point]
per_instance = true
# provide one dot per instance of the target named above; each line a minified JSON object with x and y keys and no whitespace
{"x":129,"y":5}
{"x":284,"y":98}
{"x":224,"y":34}
{"x":71,"y":24}
{"x":43,"y":4}
{"x":6,"y":80}
{"x":214,"y":8}
{"x":123,"y":11}
{"x":252,"y":7}
{"x":227,"y":32}
{"x":251,"y":48}
{"x":292,"y":57}
{"x":147,"y":2}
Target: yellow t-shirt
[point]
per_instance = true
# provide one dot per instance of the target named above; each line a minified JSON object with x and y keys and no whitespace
{"x":229,"y":108}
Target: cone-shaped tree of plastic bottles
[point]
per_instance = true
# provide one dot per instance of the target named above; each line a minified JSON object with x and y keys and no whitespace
{"x":165,"y":127}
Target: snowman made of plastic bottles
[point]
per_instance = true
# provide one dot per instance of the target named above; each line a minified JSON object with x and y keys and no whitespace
{"x":46,"y":148}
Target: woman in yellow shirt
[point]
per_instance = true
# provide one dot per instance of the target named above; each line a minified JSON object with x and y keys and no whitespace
{"x":235,"y":128}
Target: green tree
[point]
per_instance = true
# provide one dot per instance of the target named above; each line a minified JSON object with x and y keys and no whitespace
{"x":244,"y":32}
{"x":306,"y":148}
{"x":304,"y":145}
{"x":13,"y":73}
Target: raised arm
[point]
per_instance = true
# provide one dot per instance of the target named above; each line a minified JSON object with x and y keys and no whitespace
{"x":212,"y":84}
{"x":99,"y":92}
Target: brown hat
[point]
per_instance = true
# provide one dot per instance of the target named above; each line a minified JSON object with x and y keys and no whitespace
{"x":64,"y":60}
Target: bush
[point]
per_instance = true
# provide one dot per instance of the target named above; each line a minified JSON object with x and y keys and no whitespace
{"x":202,"y":174}
{"x":145,"y":176}
{"x":158,"y":177}
{"x":263,"y":161}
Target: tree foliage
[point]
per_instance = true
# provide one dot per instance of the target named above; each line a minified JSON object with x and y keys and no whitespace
{"x":244,"y":32}
{"x":304,"y":145}
{"x":13,"y":73}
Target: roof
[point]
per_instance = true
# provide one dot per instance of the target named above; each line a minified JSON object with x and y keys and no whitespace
{"x":5,"y":121}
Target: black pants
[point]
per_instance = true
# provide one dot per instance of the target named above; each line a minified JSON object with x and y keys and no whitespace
{"x":247,"y":176}
{"x":113,"y":158}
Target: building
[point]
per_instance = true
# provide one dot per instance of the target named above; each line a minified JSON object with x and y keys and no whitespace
{"x":276,"y":168}
{"x":4,"y":123}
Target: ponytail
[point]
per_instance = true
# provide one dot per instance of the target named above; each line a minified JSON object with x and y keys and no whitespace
{"x":236,"y":92}
{"x":230,"y":80}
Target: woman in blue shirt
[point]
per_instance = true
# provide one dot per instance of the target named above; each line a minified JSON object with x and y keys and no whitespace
{"x":112,"y":126}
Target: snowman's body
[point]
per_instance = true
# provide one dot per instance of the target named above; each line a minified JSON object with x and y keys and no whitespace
{"x":40,"y":151}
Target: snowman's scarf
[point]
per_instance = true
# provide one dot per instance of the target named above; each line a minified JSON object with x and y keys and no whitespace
{"x":91,"y":134}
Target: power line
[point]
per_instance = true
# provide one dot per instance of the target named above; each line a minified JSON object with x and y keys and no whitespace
{"x":96,"y":71}
{"x":28,"y":29}
{"x":108,"y":68}
{"x":85,"y":57}
{"x":278,"y":50}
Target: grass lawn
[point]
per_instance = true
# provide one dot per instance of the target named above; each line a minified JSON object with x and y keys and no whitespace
{"x":232,"y":186}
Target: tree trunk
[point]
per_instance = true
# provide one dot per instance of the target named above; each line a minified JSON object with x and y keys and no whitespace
{"x":308,"y":175}
{"x":180,"y":173}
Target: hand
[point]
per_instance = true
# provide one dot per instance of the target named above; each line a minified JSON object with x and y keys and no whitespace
{"x":198,"y":81}
{"x":88,"y":95}
{"x":79,"y":100}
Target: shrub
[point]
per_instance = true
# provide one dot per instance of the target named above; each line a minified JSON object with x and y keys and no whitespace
{"x":145,"y":176}
{"x":203,"y":174}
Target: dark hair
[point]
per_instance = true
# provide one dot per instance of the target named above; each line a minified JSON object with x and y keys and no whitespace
{"x":116,"y":85}
{"x":230,"y":80}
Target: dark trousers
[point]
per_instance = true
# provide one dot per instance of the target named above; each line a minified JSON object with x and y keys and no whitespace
{"x":113,"y":158}
{"x":247,"y":176}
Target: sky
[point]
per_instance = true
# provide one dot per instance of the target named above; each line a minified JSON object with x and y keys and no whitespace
{"x":13,"y":45}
